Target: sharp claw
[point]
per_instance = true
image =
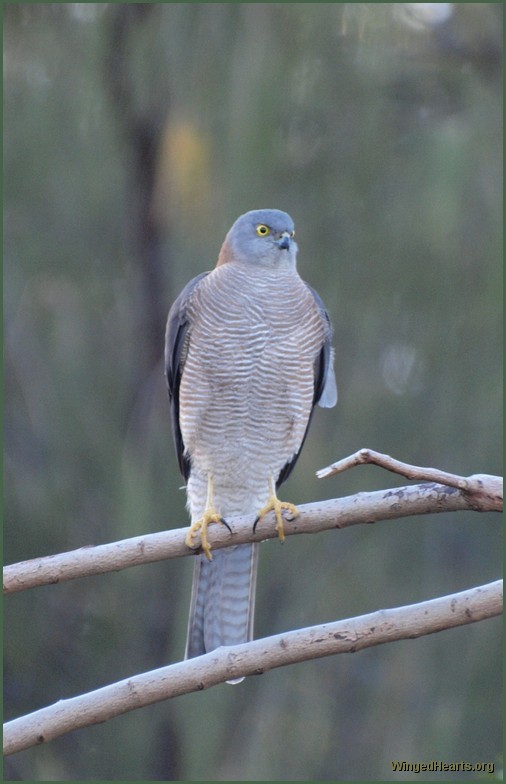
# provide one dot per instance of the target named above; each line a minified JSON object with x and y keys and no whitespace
{"x":225,"y":524}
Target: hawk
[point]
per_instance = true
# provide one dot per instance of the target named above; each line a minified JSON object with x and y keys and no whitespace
{"x":248,"y":356}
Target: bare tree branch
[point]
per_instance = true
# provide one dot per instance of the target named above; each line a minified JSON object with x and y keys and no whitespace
{"x":480,"y":488}
{"x":479,"y":493}
{"x":320,"y":516}
{"x":253,"y":658}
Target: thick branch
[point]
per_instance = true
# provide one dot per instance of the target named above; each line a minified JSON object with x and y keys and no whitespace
{"x":253,"y":658}
{"x":320,"y":516}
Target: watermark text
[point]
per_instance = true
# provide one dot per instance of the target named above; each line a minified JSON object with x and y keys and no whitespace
{"x":436,"y":766}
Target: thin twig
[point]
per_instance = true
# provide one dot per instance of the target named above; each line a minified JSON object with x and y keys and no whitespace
{"x":476,"y":487}
{"x":253,"y":658}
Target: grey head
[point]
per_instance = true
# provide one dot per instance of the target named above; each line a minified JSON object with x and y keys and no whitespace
{"x":263,"y":237}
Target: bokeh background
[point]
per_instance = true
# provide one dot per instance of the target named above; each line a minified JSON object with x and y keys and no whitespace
{"x":135,"y":134}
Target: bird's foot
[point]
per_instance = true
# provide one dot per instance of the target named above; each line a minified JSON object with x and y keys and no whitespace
{"x":210,"y":516}
{"x":276,"y":506}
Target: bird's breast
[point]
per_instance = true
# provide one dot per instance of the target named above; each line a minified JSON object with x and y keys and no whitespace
{"x":248,"y":381}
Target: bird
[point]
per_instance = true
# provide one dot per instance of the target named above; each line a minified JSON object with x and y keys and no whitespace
{"x":248,"y":356}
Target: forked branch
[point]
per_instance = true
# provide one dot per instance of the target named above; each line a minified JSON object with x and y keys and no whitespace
{"x":482,"y":490}
{"x":444,"y":493}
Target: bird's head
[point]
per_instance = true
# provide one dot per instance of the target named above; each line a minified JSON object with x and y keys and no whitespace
{"x":261,"y":237}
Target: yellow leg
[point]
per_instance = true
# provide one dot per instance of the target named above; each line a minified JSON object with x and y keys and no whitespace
{"x":275,"y":505}
{"x":210,"y":516}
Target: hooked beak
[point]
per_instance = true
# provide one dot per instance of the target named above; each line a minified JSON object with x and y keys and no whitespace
{"x":284,"y":240}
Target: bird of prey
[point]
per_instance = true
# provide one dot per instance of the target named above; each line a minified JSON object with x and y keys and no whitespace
{"x":248,"y":355}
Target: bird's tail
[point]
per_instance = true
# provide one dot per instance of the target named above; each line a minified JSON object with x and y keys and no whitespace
{"x":223,"y":599}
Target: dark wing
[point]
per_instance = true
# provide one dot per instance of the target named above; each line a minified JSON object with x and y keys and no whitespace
{"x":177,"y":337}
{"x":325,"y":390}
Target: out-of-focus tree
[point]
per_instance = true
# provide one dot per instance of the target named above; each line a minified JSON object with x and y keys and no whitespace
{"x":134,"y":135}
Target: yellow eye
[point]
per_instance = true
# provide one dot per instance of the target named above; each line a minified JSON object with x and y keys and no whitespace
{"x":263,"y":230}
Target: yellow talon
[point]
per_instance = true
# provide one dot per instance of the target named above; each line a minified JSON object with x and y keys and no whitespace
{"x":210,"y":516}
{"x":275,"y":505}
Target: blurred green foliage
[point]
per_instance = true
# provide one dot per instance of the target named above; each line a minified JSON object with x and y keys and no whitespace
{"x":134,"y":135}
